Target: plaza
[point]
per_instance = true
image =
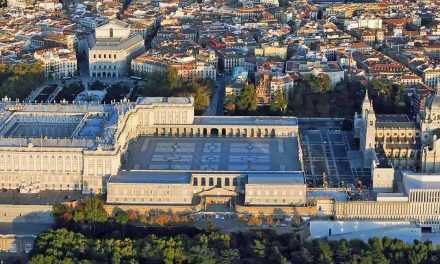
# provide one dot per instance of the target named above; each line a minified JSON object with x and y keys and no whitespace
{"x":213,"y":154}
{"x":327,"y":149}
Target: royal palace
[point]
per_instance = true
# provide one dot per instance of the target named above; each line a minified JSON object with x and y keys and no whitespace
{"x":152,"y":151}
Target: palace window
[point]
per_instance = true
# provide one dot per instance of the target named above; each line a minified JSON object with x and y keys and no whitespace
{"x":227,"y":182}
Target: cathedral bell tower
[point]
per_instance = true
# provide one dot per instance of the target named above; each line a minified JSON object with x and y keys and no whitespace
{"x":368,"y":129}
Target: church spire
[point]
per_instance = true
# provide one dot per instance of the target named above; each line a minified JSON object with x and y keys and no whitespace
{"x":366,"y":104}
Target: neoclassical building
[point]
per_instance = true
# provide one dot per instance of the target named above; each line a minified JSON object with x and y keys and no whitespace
{"x":151,"y":151}
{"x":115,"y":46}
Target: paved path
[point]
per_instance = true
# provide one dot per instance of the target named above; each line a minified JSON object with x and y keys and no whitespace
{"x":216,"y":104}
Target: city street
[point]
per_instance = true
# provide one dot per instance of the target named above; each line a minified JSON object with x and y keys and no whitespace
{"x":216,"y":106}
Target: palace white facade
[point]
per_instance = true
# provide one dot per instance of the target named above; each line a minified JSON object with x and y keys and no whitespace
{"x":114,"y":49}
{"x":83,"y":147}
{"x":264,"y":190}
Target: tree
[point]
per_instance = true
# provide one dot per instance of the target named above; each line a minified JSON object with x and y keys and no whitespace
{"x":342,"y":253}
{"x":162,"y":220}
{"x":230,"y":102}
{"x":269,"y":221}
{"x":316,"y":84}
{"x":62,"y":212}
{"x":280,"y":101}
{"x":305,"y":255}
{"x":248,"y":99}
{"x":255,"y":221}
{"x":60,"y":246}
{"x":229,"y":256}
{"x":173,"y":79}
{"x":94,"y":210}
{"x":391,"y":97}
{"x":263,"y":246}
{"x":91,"y":211}
{"x":142,"y":219}
{"x":201,"y":254}
{"x":275,"y":256}
{"x":155,"y":85}
{"x":325,"y":253}
{"x":18,"y":81}
{"x":149,"y":250}
{"x":132,"y":215}
{"x":201,"y":100}
{"x":324,"y":82}
{"x":79,"y":215}
{"x":258,"y":248}
{"x":121,"y":218}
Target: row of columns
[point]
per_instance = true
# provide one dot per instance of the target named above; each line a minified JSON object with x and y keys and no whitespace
{"x":390,"y":210}
{"x":104,"y":74}
{"x":425,"y":196}
{"x":222,"y":132}
{"x":202,"y":181}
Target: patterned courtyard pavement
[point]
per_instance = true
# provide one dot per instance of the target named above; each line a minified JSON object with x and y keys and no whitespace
{"x":213,"y":154}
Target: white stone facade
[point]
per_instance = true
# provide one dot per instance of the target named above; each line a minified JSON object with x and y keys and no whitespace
{"x":431,"y":77}
{"x":420,"y":202}
{"x":58,"y":147}
{"x":279,"y":194}
{"x":57,"y":62}
{"x":187,"y":68}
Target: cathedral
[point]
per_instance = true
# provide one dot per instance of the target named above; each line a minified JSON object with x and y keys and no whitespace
{"x":430,"y":143}
{"x":405,"y":144}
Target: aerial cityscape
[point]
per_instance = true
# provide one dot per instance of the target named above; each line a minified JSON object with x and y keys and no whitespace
{"x":231,"y":131}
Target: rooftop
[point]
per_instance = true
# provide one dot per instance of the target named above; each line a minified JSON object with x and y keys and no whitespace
{"x":164,"y":100}
{"x":413,"y":181}
{"x":246,"y":120}
{"x":151,"y":177}
{"x":116,"y":43}
{"x":394,"y":121}
{"x":276,"y":178}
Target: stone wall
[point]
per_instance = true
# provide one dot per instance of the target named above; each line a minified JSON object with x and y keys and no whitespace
{"x":277,"y":210}
{"x":26,"y":213}
{"x":147,"y":209}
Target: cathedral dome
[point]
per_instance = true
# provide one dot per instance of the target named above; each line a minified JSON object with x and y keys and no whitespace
{"x":432,"y":109}
{"x":434,"y":101}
